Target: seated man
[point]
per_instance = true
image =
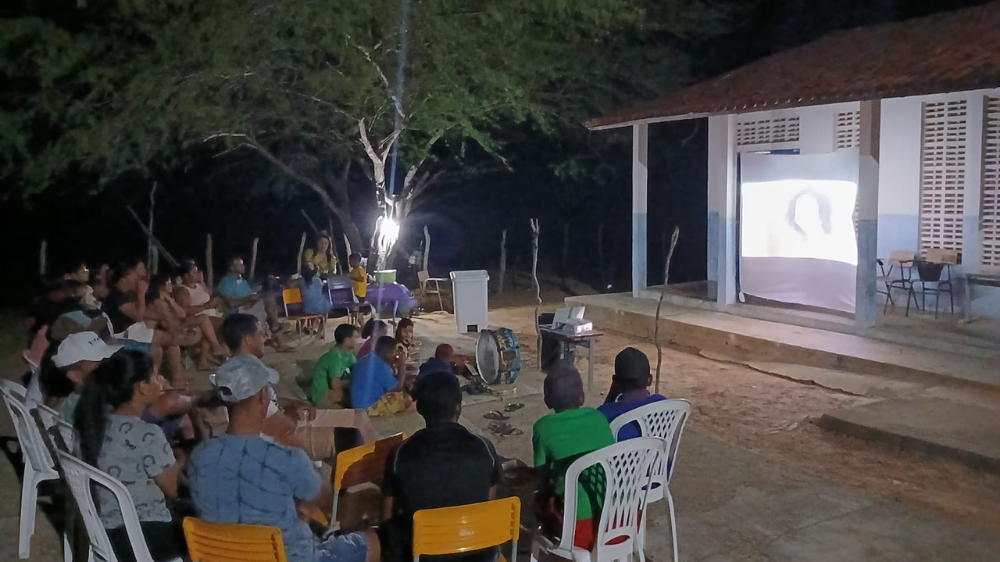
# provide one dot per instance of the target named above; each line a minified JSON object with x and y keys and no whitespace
{"x":629,"y":389}
{"x":442,"y":465}
{"x":374,"y":387}
{"x":242,"y":477}
{"x":328,"y":375}
{"x":560,"y":438}
{"x":239,"y":297}
{"x":440,"y":363}
{"x":301,"y":425}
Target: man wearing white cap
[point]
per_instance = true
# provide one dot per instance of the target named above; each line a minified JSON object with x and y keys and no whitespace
{"x":244,"y":478}
{"x":78,"y":356}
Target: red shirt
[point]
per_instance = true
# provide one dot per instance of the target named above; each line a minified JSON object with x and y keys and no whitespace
{"x":367,"y":348}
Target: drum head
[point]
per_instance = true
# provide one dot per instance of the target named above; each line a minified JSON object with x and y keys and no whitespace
{"x":488,"y":357}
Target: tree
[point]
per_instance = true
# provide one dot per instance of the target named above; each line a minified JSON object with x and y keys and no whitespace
{"x":306,"y":84}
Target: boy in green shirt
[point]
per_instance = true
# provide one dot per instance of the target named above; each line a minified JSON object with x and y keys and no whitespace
{"x":559,"y":439}
{"x":328,"y":376}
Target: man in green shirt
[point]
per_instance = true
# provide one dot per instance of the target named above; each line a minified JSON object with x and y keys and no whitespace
{"x":559,"y":439}
{"x":328,"y":376}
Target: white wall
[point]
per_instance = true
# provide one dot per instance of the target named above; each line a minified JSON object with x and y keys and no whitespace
{"x":899,"y":174}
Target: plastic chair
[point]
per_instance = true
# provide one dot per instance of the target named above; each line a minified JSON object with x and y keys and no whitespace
{"x":663,"y":420}
{"x":627,"y":466}
{"x":81,"y":478}
{"x":361,"y":465}
{"x":227,"y":542}
{"x":425,"y":279}
{"x":38,"y":463}
{"x":466,"y":528}
{"x":56,"y":432}
{"x":293,"y":296}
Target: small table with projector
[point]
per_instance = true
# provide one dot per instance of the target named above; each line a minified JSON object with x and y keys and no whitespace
{"x":570,"y":329}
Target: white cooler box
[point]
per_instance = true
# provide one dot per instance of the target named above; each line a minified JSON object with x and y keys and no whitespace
{"x":471,"y":295}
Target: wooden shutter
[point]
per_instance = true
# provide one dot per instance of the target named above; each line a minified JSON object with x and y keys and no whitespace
{"x":847,"y":130}
{"x":989,"y":208}
{"x":942,"y":175}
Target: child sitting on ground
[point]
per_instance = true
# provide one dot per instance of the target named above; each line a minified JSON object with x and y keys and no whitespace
{"x":328,"y":375}
{"x":374,"y":387}
{"x":440,"y":363}
{"x":373,"y":330}
{"x":560,"y":438}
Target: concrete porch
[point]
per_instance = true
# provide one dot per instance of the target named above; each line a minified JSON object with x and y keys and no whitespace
{"x":901,"y":347}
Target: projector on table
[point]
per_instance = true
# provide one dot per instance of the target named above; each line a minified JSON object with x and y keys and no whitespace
{"x":577,"y":326}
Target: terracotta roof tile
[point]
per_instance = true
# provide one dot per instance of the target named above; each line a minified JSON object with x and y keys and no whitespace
{"x":948,"y":52}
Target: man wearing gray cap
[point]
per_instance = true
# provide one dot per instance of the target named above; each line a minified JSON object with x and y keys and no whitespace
{"x":243,"y":477}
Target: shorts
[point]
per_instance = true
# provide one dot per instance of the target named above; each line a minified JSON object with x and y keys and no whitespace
{"x":391,"y":403}
{"x":350,"y":547}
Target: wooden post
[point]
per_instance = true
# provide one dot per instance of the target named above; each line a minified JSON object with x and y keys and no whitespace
{"x":347,"y":246}
{"x":503,"y":261}
{"x":209,"y":268}
{"x":43,"y":259}
{"x":253,"y":258}
{"x":312,"y":225}
{"x":302,"y":249}
{"x":152,"y":254}
{"x":427,"y":247}
{"x":659,"y":305}
{"x":538,"y":288}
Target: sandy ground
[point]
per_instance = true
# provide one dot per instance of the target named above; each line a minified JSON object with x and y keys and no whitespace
{"x":749,"y":431}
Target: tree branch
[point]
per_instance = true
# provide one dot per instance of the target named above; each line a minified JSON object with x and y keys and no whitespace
{"x":396,"y":102}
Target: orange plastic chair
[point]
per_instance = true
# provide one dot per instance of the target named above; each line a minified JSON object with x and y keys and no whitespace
{"x":226,"y":542}
{"x":293,"y":296}
{"x":360,"y":465}
{"x":456,"y":530}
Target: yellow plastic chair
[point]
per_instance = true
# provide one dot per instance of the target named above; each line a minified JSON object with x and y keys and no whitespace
{"x":456,"y":530}
{"x":360,"y":465}
{"x":293,"y":296}
{"x":225,"y":542}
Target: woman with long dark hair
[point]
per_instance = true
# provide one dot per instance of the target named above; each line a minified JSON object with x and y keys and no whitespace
{"x":113,"y":437}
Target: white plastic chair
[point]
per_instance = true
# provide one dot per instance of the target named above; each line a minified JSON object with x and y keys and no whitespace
{"x":57,"y":432}
{"x":663,"y":420}
{"x":627,"y":467}
{"x":81,"y":477}
{"x":38,"y":464}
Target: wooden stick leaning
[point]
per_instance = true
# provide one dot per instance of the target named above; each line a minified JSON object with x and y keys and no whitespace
{"x":538,"y":288}
{"x":209,"y":268}
{"x":503,"y":261}
{"x":253,"y":258}
{"x":302,"y":249}
{"x":166,"y":255}
{"x":659,"y":305}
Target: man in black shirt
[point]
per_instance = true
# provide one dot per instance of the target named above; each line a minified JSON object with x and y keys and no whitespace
{"x":442,"y":465}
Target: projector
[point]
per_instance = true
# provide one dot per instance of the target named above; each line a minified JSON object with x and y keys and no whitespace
{"x":578,"y":326}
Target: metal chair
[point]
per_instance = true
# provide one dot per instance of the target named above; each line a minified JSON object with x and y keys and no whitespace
{"x":663,"y":420}
{"x":929,"y":271}
{"x":467,"y":528}
{"x":227,"y":542}
{"x":628,"y":470}
{"x":425,"y":280}
{"x":38,"y":463}
{"x":904,"y":262}
{"x":82,"y":478}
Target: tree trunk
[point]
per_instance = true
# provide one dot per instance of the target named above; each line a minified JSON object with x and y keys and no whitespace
{"x":538,"y":289}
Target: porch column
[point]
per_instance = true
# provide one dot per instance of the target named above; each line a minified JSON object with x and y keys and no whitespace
{"x":640,"y":173}
{"x":866,"y":307}
{"x":722,"y":208}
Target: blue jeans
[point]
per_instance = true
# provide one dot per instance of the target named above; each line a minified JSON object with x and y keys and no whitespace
{"x":351,"y":547}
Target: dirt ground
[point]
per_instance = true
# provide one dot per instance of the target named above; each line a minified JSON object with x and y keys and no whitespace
{"x":767,"y":415}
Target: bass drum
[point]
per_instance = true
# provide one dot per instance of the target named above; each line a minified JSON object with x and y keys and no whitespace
{"x":498,"y":356}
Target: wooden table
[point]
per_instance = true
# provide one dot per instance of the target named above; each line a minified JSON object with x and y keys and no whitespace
{"x":582,"y":339}
{"x":981,"y":278}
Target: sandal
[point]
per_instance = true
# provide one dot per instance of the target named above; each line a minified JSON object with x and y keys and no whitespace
{"x":513,"y":407}
{"x":495,"y":415}
{"x":504,"y":429}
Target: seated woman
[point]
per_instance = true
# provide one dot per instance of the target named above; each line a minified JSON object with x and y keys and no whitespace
{"x":189,"y":329}
{"x":322,"y":256}
{"x":371,"y":332}
{"x":194,"y":296}
{"x":114,"y":438}
{"x":311,"y":287}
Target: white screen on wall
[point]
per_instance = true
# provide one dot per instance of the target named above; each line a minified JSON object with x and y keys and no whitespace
{"x":797,"y":238}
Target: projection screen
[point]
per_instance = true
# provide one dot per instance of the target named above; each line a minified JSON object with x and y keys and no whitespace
{"x":797,"y":239}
